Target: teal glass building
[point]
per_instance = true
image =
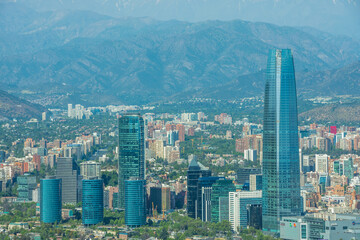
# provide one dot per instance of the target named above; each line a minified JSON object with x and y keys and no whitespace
{"x":131,"y":152}
{"x":92,"y":201}
{"x":135,"y":202}
{"x":220,"y":190}
{"x":50,"y":200}
{"x":281,"y":171}
{"x":195,"y":171}
{"x":26,"y":184}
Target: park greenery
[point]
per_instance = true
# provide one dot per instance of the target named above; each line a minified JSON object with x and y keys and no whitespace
{"x":182,"y":227}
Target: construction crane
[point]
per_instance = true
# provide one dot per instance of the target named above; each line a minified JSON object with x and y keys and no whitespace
{"x":154,"y":211}
{"x":163,"y":211}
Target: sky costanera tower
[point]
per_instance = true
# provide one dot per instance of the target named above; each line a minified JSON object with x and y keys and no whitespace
{"x":281,"y":171}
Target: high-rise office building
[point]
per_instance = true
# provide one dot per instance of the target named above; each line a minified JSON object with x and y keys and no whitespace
{"x":90,"y":169}
{"x":220,"y":190}
{"x":255,"y":182}
{"x":92,"y":201}
{"x":243,"y":174}
{"x":135,"y":202}
{"x":165,"y":198}
{"x":281,"y":172}
{"x":321,"y":163}
{"x":131,"y":152}
{"x":195,"y":171}
{"x":155,"y":199}
{"x":68,"y":171}
{"x":238,"y":202}
{"x":172,"y":137}
{"x":254,"y":215}
{"x":26,"y":185}
{"x":50,"y":200}
{"x":204,"y":197}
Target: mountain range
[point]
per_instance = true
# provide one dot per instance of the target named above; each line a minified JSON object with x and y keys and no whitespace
{"x":54,"y":57}
{"x":334,"y":16}
{"x":14,"y":107}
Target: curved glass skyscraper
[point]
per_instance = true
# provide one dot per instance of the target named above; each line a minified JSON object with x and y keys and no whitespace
{"x":50,"y":200}
{"x":92,"y":201}
{"x":131,"y":151}
{"x":135,"y":202}
{"x":281,"y":173}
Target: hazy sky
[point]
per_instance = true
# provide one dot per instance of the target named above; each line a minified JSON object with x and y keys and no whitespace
{"x":334,"y":16}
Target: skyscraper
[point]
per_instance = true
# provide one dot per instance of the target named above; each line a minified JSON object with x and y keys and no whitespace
{"x":68,"y":171}
{"x":196,"y":170}
{"x":281,"y":172}
{"x":220,"y":194}
{"x":92,"y":201}
{"x":238,"y":202}
{"x":26,"y":185}
{"x":135,"y":202}
{"x":90,"y":169}
{"x":50,"y":200}
{"x":131,"y":152}
{"x":204,"y":197}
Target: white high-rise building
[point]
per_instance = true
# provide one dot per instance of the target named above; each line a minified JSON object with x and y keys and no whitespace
{"x":250,"y":154}
{"x":70,"y":111}
{"x":238,"y":201}
{"x":321,"y":163}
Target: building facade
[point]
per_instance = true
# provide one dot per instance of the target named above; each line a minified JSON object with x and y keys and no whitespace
{"x":92,"y":201}
{"x":131,"y":151}
{"x":281,"y":171}
{"x":204,"y":197}
{"x":50,"y":200}
{"x":195,"y":171}
{"x":238,"y":202}
{"x":135,"y":202}
{"x":26,"y":185}
{"x":90,"y":169}
{"x":68,"y":171}
{"x":220,"y":190}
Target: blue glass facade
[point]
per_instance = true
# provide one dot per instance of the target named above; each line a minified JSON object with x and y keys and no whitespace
{"x":50,"y":200}
{"x":135,"y":203}
{"x":281,"y":172}
{"x":131,"y":152}
{"x":92,"y":201}
{"x":204,"y":197}
{"x":244,"y":202}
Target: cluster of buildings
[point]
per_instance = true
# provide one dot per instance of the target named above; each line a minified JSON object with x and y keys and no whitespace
{"x":327,"y":138}
{"x":78,"y":112}
{"x":293,"y":195}
{"x":44,"y":153}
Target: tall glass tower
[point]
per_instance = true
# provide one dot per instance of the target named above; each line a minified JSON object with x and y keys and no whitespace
{"x":50,"y":200}
{"x":131,"y":151}
{"x":92,"y":201}
{"x":135,"y":202}
{"x":281,"y":172}
{"x":195,"y":171}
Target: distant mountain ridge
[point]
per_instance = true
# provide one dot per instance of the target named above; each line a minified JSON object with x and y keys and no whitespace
{"x":98,"y":59}
{"x":335,"y":16}
{"x":14,"y":107}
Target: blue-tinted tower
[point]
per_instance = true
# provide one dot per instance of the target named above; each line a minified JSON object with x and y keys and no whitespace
{"x":281,"y":171}
{"x":131,"y":152}
{"x":50,"y":200}
{"x":92,"y":201}
{"x":135,"y":202}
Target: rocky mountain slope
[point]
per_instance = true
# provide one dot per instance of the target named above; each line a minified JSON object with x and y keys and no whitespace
{"x":13,"y":107}
{"x":104,"y":60}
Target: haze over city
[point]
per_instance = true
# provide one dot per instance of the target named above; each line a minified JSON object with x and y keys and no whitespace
{"x":179,"y":119}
